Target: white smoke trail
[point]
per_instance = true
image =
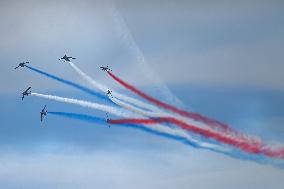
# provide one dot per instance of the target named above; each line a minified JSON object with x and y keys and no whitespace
{"x":86,"y":104}
{"x":104,"y":89}
{"x":136,"y":110}
{"x":94,"y":83}
{"x":124,"y":113}
{"x":125,"y":33}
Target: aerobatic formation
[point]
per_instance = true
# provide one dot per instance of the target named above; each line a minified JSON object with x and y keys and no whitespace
{"x":157,"y":117}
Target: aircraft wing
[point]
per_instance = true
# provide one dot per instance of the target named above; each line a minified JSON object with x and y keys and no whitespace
{"x":28,"y":89}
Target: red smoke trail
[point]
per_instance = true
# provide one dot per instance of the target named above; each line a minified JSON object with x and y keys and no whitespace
{"x":247,"y":146}
{"x":192,"y":115}
{"x":210,"y":122}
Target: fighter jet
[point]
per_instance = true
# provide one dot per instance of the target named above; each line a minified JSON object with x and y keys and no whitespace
{"x":26,"y":93}
{"x":109,"y":94}
{"x":105,"y":68}
{"x":107,"y":120}
{"x":43,"y":113}
{"x":66,"y":58}
{"x":22,"y":64}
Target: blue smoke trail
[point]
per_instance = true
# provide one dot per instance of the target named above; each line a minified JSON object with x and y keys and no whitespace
{"x":235,"y":153}
{"x":88,"y":118}
{"x":70,"y":83}
{"x":93,"y":119}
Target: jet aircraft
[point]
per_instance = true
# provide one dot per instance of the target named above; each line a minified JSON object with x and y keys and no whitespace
{"x":26,"y":93}
{"x":43,"y":113}
{"x":66,"y":58}
{"x":105,"y":68}
{"x":22,"y":64}
{"x":107,"y":120}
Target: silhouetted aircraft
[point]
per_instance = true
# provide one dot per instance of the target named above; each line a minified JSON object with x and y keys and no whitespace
{"x":26,"y":93}
{"x":43,"y":113}
{"x":107,"y":120}
{"x":66,"y":58}
{"x":105,"y":68}
{"x":22,"y":64}
{"x":109,"y":92}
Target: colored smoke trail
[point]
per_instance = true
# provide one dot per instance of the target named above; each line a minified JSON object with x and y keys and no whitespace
{"x":255,"y":148}
{"x":124,"y":113}
{"x":191,"y":115}
{"x":153,"y":115}
{"x":229,"y":133}
{"x":86,"y":104}
{"x":241,"y":137}
{"x":225,"y":151}
{"x":70,"y":83}
{"x":148,"y":129}
{"x":84,"y":117}
{"x":104,"y":89}
{"x":247,"y":146}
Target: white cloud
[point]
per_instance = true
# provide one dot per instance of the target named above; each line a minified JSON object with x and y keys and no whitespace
{"x":181,"y":168}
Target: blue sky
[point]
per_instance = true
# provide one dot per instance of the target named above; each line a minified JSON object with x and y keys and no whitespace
{"x":222,"y":59}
